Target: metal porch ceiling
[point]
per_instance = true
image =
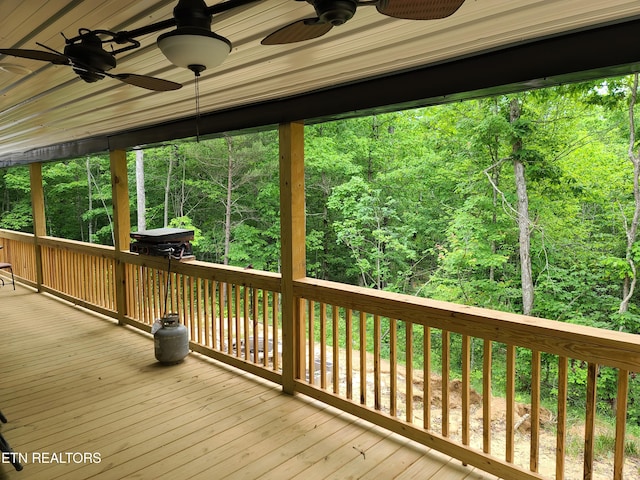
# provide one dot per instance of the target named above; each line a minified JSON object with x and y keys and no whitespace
{"x":51,"y":113}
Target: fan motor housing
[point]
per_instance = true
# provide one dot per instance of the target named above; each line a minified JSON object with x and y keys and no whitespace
{"x":335,"y":12}
{"x":89,"y":58}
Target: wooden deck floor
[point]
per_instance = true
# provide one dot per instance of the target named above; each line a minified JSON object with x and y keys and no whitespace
{"x":72,"y":383}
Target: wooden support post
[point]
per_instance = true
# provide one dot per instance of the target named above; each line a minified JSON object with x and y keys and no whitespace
{"x":121,"y":224}
{"x":39,"y":217}
{"x":293,"y":250}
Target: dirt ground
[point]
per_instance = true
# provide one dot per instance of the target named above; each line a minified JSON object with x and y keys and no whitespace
{"x":603,"y":468}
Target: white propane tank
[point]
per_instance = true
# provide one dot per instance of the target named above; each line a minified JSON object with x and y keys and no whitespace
{"x":171,"y":340}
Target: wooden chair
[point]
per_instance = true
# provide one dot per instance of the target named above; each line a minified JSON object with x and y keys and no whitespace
{"x":7,"y":266}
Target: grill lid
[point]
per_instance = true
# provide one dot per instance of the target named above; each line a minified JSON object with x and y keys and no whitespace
{"x":163,"y":235}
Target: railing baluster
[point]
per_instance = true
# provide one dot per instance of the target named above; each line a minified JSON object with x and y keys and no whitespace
{"x":335,"y":316}
{"x":561,"y":436}
{"x":323,"y":345}
{"x":511,"y":398}
{"x":590,"y":421}
{"x":142,"y":285}
{"x":393,"y":360}
{"x":256,"y":329}
{"x":275,"y":324}
{"x":229,"y":288}
{"x":96,"y":280}
{"x":160,"y":295}
{"x":349,"y":352}
{"x":221,"y":314}
{"x":140,"y":295}
{"x":426,"y":381}
{"x":196,"y":308}
{"x":237,"y":319}
{"x":363,"y":357}
{"x":254,"y":309}
{"x":148,"y":299}
{"x":265,"y":328}
{"x":188,"y":299}
{"x":154,"y":300}
{"x":621,"y":423}
{"x":311,"y":305}
{"x":486,"y":395}
{"x":105,"y":294}
{"x":207,"y":312}
{"x":175,"y":293}
{"x":87,"y":286}
{"x":534,"y":456}
{"x":446,"y":366}
{"x":67,"y":278}
{"x":466,"y":385}
{"x":245,"y":325}
{"x":409,"y":371}
{"x":377,"y":357}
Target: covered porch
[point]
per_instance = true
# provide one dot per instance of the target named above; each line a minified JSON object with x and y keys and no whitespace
{"x":324,"y":400}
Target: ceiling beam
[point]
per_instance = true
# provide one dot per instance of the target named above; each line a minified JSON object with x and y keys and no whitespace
{"x":605,"y":51}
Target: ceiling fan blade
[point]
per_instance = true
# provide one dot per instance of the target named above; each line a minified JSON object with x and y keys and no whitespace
{"x":55,"y":58}
{"x":297,"y":32}
{"x":419,"y":9}
{"x":144,"y":81}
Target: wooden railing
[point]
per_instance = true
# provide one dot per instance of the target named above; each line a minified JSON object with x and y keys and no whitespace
{"x":231,"y":314}
{"x":18,"y":250}
{"x":371,"y":353}
{"x":395,"y":360}
{"x":79,"y":272}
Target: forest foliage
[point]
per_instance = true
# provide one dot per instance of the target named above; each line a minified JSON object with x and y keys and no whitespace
{"x":426,"y":202}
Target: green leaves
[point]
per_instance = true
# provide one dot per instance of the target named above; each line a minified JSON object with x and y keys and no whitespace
{"x":370,"y":227}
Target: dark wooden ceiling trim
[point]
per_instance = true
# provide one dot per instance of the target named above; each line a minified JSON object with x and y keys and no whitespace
{"x":608,"y":50}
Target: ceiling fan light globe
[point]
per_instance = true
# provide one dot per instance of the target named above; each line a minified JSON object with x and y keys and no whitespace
{"x":189,"y":46}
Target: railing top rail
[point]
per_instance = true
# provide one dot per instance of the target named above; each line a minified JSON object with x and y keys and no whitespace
{"x":20,"y":236}
{"x":220,"y":273}
{"x":604,"y":347}
{"x":76,"y":245}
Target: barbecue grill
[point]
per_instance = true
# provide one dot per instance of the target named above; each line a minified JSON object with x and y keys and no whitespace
{"x":162,"y":242}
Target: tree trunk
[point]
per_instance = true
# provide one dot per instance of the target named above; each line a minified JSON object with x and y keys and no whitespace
{"x":183,"y":195}
{"x":227,"y":213}
{"x":140,"y":190}
{"x":523,"y":217}
{"x":629,"y":284}
{"x":90,"y":226}
{"x":494,"y":219}
{"x":167,"y":190}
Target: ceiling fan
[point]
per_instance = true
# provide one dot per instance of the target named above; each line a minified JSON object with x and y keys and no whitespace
{"x":331,"y":13}
{"x":91,"y":62}
{"x":191,"y":45}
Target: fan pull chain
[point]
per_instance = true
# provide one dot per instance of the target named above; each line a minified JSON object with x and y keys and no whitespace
{"x":197,"y":85}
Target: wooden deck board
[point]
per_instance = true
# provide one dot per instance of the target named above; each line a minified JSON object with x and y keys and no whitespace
{"x":75,"y":382}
